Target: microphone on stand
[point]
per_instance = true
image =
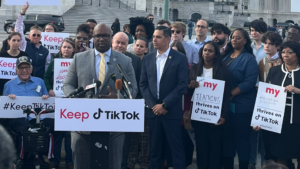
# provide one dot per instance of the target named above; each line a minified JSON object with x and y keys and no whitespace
{"x":125,"y":80}
{"x":118,"y":85}
{"x":88,"y":91}
{"x":76,"y":91}
{"x":122,"y":91}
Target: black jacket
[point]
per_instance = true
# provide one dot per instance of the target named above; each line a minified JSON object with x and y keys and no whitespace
{"x":115,"y":27}
{"x":277,"y":76}
{"x":137,"y":66}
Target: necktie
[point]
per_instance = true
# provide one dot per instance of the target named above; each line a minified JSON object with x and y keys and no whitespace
{"x":102,"y":68}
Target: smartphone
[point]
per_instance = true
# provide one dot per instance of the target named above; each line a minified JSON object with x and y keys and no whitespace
{"x":82,"y":47}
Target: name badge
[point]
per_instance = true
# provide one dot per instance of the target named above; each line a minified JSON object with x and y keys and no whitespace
{"x":38,"y":89}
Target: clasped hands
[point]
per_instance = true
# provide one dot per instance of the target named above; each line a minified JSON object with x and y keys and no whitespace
{"x":159,"y":110}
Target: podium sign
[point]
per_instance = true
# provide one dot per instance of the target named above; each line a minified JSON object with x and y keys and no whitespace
{"x":107,"y":115}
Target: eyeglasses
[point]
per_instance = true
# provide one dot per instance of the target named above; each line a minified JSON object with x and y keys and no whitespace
{"x":177,"y":32}
{"x":49,"y":29}
{"x":38,"y":35}
{"x":104,"y":36}
{"x":16,"y":40}
{"x":151,"y":18}
{"x":200,"y":26}
{"x":24,"y":68}
{"x":82,"y":38}
{"x":292,"y":34}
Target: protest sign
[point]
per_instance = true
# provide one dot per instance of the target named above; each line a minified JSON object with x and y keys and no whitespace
{"x":269,"y":107}
{"x":61,"y":67}
{"x":207,"y":100}
{"x":110,"y":115}
{"x":8,"y":68}
{"x":33,"y":2}
{"x":52,"y":40}
{"x":13,"y":108}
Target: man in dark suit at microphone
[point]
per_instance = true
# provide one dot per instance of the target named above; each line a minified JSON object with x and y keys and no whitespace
{"x":98,"y":63}
{"x":164,"y":80}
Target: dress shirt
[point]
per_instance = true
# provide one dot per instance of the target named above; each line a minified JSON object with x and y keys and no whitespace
{"x":197,"y":44}
{"x":223,"y":49}
{"x":259,"y":53}
{"x":160,"y":64}
{"x":29,"y":88}
{"x":98,"y":59}
{"x":191,"y":53}
{"x":91,"y":43}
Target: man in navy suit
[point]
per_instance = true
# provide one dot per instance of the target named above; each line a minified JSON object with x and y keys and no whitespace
{"x":164,"y":80}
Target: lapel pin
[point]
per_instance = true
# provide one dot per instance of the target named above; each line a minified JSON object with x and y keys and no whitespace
{"x":114,"y":59}
{"x":170,"y":57}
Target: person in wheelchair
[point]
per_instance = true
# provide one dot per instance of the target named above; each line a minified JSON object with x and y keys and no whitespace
{"x":25,"y":85}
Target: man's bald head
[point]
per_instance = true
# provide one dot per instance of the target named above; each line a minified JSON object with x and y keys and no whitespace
{"x":102,"y":37}
{"x":120,"y":42}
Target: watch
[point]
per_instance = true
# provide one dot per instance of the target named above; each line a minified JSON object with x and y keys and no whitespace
{"x":164,"y":105}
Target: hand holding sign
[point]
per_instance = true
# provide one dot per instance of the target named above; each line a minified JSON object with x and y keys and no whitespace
{"x":194,"y":84}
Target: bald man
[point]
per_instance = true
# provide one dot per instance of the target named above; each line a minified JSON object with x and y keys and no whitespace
{"x":119,"y":43}
{"x":97,"y":63}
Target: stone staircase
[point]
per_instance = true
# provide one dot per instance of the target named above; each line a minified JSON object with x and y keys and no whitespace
{"x":106,"y":13}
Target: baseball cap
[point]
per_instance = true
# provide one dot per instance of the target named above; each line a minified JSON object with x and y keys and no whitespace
{"x":24,"y":59}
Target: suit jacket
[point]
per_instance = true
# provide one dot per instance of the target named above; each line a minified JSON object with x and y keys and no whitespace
{"x":137,"y":66}
{"x":82,"y":72}
{"x":173,"y":83}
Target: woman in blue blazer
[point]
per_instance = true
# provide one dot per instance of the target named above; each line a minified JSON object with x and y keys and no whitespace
{"x":244,"y":71}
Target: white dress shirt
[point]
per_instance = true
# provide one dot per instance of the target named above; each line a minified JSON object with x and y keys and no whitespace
{"x":160,"y":64}
{"x":92,"y":43}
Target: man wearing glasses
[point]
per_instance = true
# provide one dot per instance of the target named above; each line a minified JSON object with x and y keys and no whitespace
{"x":201,"y":30}
{"x":178,"y":30}
{"x":293,"y":34}
{"x":98,"y":63}
{"x":150,"y":17}
{"x":36,"y":51}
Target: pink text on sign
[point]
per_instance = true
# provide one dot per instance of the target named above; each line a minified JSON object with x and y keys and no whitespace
{"x":210,"y":85}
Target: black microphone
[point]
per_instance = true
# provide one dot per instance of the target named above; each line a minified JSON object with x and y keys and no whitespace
{"x":98,"y":85}
{"x":76,"y":91}
{"x":81,"y":94}
{"x":124,"y":76}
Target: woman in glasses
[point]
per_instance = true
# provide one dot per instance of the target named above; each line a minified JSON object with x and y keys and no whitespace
{"x":14,"y":41}
{"x":82,"y":38}
{"x":50,"y":27}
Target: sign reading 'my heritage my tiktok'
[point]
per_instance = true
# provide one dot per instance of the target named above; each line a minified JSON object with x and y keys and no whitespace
{"x":61,"y":67}
{"x":269,"y":107}
{"x":109,"y":115}
{"x":8,"y":68}
{"x":207,"y":100}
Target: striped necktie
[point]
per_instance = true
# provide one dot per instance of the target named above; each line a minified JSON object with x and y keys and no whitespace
{"x":102,"y":68}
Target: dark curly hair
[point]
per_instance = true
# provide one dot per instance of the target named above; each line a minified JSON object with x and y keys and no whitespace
{"x":218,"y":27}
{"x":85,"y":28}
{"x":149,"y":26}
{"x":275,"y":38}
{"x":295,"y":46}
{"x":247,"y":46}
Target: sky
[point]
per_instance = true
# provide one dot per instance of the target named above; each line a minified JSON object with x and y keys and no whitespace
{"x":295,"y":5}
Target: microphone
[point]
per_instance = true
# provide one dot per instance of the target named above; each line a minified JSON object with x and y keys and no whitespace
{"x":118,"y":87}
{"x":89,"y":90}
{"x":76,"y":91}
{"x":122,"y":91}
{"x":124,"y":76}
{"x":81,"y":94}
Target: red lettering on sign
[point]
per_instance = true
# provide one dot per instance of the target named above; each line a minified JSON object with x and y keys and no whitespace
{"x":210,"y":85}
{"x":70,"y":115}
{"x":65,"y":64}
{"x":272,"y":91}
{"x":53,"y":39}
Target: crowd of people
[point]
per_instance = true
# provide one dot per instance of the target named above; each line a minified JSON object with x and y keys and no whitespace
{"x":163,"y":69}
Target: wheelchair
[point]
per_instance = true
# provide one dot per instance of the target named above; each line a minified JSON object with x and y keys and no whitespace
{"x":35,"y":140}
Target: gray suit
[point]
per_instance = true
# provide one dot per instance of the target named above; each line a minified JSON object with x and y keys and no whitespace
{"x":81,"y":73}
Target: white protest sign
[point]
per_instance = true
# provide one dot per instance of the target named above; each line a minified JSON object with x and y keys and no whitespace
{"x":269,"y":107}
{"x":207,"y":100}
{"x":8,"y":68}
{"x":33,"y":2}
{"x":13,"y":108}
{"x":61,"y":67}
{"x":52,"y":40}
{"x":111,"y":115}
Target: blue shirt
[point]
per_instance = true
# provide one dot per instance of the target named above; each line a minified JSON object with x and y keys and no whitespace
{"x":191,"y":53}
{"x":259,"y":53}
{"x":98,"y":60}
{"x":197,"y":44}
{"x":29,"y":88}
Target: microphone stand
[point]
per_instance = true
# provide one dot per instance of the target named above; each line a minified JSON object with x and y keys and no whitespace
{"x":126,"y":86}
